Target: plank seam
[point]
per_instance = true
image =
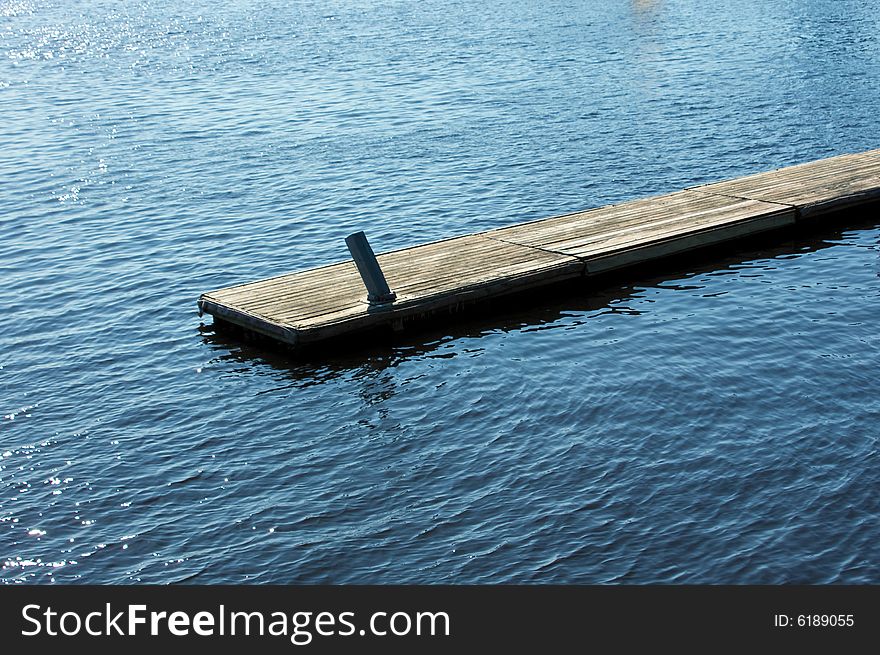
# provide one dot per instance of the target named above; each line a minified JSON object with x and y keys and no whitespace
{"x":730,"y":195}
{"x":547,"y":250}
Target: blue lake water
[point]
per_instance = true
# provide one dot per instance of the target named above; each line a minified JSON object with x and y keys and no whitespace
{"x":715,"y":421}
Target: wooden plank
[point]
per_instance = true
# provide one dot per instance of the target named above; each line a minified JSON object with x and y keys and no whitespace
{"x":673,"y":245}
{"x":815,"y":188}
{"x":639,"y":223}
{"x":313,"y":305}
{"x":321,"y":303}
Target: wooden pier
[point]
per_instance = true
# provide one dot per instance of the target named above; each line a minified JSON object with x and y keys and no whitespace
{"x":313,"y":305}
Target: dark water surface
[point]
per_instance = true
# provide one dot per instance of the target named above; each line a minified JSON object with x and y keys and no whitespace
{"x":716,"y":421}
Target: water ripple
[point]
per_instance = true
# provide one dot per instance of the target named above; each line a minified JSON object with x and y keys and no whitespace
{"x":713,"y":422}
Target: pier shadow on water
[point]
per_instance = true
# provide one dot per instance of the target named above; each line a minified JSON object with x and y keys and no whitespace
{"x":576,"y":302}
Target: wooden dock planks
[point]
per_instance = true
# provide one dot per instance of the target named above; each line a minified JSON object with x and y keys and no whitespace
{"x":814,"y":188}
{"x":325,"y":302}
{"x":620,"y":235}
{"x":313,"y":305}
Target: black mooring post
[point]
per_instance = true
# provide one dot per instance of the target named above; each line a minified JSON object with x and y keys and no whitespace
{"x":378,"y":290}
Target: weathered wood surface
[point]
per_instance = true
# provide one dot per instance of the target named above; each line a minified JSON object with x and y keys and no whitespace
{"x":640,"y":230}
{"x":331,"y":300}
{"x":814,"y":188}
{"x":317,"y":304}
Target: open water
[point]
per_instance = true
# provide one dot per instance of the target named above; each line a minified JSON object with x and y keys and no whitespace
{"x":715,"y":421}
